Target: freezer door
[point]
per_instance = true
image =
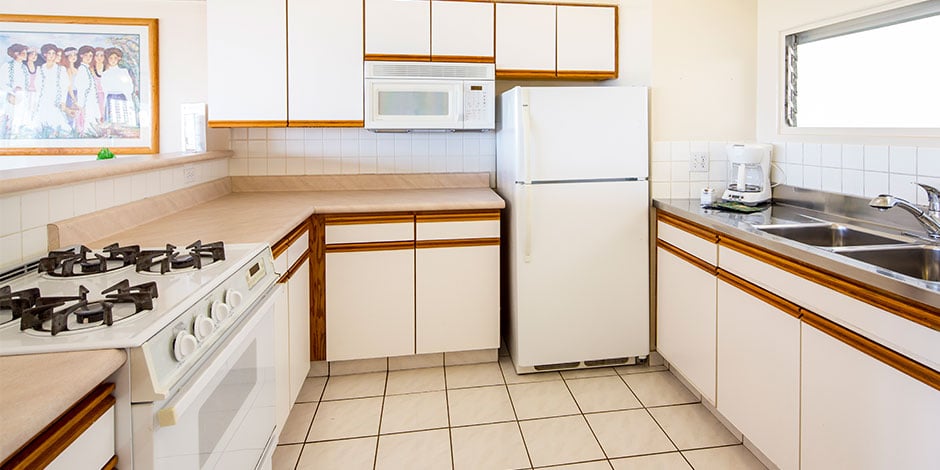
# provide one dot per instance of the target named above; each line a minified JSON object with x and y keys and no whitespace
{"x":579,"y":272}
{"x":575,"y":133}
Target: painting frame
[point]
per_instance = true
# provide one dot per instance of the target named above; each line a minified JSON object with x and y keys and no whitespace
{"x":124,"y":117}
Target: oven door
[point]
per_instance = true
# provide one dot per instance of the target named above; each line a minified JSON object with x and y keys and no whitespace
{"x":223,"y":417}
{"x":414,"y":104}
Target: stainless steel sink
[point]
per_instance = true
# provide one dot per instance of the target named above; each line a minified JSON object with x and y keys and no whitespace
{"x":828,"y":235}
{"x":920,"y":262}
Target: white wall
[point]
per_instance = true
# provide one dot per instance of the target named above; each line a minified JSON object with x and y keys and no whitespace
{"x":182,"y":55}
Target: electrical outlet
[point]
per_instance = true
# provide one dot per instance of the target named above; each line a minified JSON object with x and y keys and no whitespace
{"x":189,"y":174}
{"x":698,"y":162}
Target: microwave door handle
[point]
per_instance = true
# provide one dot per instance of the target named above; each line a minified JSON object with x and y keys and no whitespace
{"x":209,"y":376}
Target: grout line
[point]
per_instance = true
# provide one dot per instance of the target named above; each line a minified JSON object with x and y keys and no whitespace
{"x":450,"y":434}
{"x":584,"y":418}
{"x":378,"y":432}
{"x":513,"y":406}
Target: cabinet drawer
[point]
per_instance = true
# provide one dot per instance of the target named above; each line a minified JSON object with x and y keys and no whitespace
{"x":364,"y":233}
{"x":700,"y":248}
{"x":457,"y":230}
{"x":297,"y":249}
{"x":93,"y":449}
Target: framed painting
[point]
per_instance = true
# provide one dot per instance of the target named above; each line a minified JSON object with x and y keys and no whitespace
{"x":73,"y":85}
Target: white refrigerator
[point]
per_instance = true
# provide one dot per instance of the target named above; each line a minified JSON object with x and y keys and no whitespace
{"x":572,"y":165}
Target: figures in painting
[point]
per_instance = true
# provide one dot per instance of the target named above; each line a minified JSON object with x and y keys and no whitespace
{"x":80,"y":91}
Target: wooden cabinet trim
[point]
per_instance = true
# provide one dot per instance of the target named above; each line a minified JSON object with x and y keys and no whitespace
{"x":691,"y":227}
{"x":398,"y":57}
{"x":586,"y":74}
{"x":461,"y":242}
{"x":468,"y":59}
{"x":111,"y":465}
{"x":368,"y":218}
{"x":284,"y":243}
{"x":556,"y":4}
{"x":769,"y":298}
{"x":57,"y":436}
{"x":901,"y":363}
{"x":326,"y":123}
{"x":293,"y":269}
{"x":532,"y":74}
{"x":369,"y":246}
{"x":695,"y":261}
{"x":916,"y":312}
{"x":223,"y":124}
{"x":451,"y":216}
{"x":317,"y":289}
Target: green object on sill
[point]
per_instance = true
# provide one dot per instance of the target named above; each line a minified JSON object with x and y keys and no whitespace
{"x":105,"y":154}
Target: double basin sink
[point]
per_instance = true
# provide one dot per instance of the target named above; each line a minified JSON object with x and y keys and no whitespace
{"x":920,"y":261}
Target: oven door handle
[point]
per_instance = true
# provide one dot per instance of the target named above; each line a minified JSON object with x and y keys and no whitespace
{"x":209,"y":376}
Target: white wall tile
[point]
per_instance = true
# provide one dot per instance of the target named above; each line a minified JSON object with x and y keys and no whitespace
{"x":698,"y":146}
{"x":903,"y":186}
{"x":350,"y":166}
{"x":368,"y":165}
{"x":853,"y":182}
{"x":277,"y":148}
{"x":61,"y":203}
{"x":313,"y":165}
{"x":679,"y":170}
{"x":332,"y":148}
{"x":928,"y":161}
{"x":277,"y":133}
{"x":794,"y":153}
{"x":257,"y":149}
{"x":422,"y":163}
{"x":85,"y":198}
{"x":313,"y":148}
{"x":257,"y":133}
{"x":122,"y":189}
{"x":660,"y":152}
{"x":295,"y":148}
{"x":832,"y":180}
{"x":311,"y":134}
{"x":294,"y":166}
{"x":661,"y":171}
{"x":718,"y":170}
{"x":679,"y":190}
{"x":794,"y":174}
{"x":853,"y":157}
{"x":295,"y":134}
{"x":11,"y":250}
{"x":876,"y":158}
{"x":239,"y":133}
{"x":812,"y":154}
{"x":240,"y":148}
{"x":104,"y":191}
{"x":928,"y":180}
{"x":679,"y":151}
{"x":35,"y":209}
{"x":35,"y":243}
{"x":876,"y":183}
{"x":812,"y":177}
{"x":661,"y":190}
{"x":257,"y":166}
{"x":10,"y":215}
{"x":832,"y":155}
{"x":717,"y":151}
{"x":277,"y":166}
{"x":153,"y":184}
{"x":238,"y":166}
{"x":332,"y":166}
{"x":903,"y":160}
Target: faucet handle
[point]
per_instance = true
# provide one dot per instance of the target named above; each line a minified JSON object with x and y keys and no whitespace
{"x":933,"y":198}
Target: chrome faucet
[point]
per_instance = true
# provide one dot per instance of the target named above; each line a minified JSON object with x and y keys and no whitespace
{"x":930,"y":218}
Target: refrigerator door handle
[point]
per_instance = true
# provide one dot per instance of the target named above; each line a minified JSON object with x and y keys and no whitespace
{"x":526,"y":135}
{"x":527,"y":236}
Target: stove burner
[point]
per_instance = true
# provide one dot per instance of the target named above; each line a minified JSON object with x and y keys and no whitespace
{"x":63,"y":263}
{"x":16,"y":302}
{"x":170,"y":259}
{"x":43,"y":316}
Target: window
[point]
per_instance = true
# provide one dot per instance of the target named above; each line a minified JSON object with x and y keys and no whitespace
{"x":877,"y":71}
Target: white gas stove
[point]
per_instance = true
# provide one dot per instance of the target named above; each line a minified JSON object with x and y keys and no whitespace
{"x":197,"y":323}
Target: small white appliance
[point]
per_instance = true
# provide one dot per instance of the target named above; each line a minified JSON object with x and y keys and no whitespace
{"x":572,"y":165}
{"x":429,"y":95}
{"x":748,"y":174}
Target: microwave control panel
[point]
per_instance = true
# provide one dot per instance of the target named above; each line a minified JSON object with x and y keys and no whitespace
{"x":479,"y":105}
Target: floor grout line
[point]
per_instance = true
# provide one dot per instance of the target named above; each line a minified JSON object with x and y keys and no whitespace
{"x":378,"y":432}
{"x":514,"y":414}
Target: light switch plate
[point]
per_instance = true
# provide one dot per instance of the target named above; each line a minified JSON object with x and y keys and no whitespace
{"x":698,"y":162}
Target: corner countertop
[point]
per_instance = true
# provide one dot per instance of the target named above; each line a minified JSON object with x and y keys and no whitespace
{"x":35,"y":389}
{"x":266,"y":217}
{"x":742,"y":226}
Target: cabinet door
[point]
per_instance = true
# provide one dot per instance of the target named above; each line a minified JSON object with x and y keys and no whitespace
{"x":398,"y":28}
{"x":247,"y":62}
{"x":370,"y":301}
{"x":457,"y":298}
{"x":686,"y":302}
{"x":759,"y":372}
{"x":324,"y":62}
{"x":860,"y":413}
{"x":298,"y":298}
{"x":587,"y":42}
{"x":462,"y":31}
{"x":525,"y":40}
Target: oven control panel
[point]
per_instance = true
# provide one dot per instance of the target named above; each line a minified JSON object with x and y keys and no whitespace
{"x":178,"y":347}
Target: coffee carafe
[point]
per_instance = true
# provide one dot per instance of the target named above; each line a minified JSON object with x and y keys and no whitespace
{"x":748,"y":174}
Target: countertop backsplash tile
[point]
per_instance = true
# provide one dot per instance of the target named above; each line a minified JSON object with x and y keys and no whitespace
{"x":859,"y":170}
{"x":279,"y":151}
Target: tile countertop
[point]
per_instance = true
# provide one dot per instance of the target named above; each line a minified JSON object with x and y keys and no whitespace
{"x":32,"y":391}
{"x":741,"y":226}
{"x":253,"y":217}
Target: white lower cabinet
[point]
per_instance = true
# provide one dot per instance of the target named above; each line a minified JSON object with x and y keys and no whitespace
{"x":759,"y":372}
{"x":457,"y":298}
{"x":284,"y":400}
{"x":370,"y":304}
{"x":686,"y":298}
{"x":298,"y":301}
{"x":860,"y":413}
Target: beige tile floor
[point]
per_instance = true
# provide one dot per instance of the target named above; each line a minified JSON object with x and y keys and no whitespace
{"x":484,"y":416}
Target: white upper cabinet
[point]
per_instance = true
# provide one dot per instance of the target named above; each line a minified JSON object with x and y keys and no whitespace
{"x":396,"y":27}
{"x":324,"y":62}
{"x":237,"y":91}
{"x":462,"y":29}
{"x":587,"y":39}
{"x":525,"y":38}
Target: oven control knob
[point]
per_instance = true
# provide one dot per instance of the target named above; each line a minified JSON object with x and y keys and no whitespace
{"x":220,"y":311}
{"x":233,"y":298}
{"x":184,"y":345}
{"x":203,"y":327}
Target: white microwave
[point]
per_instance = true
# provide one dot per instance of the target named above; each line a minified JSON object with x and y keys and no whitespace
{"x":429,"y":95}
